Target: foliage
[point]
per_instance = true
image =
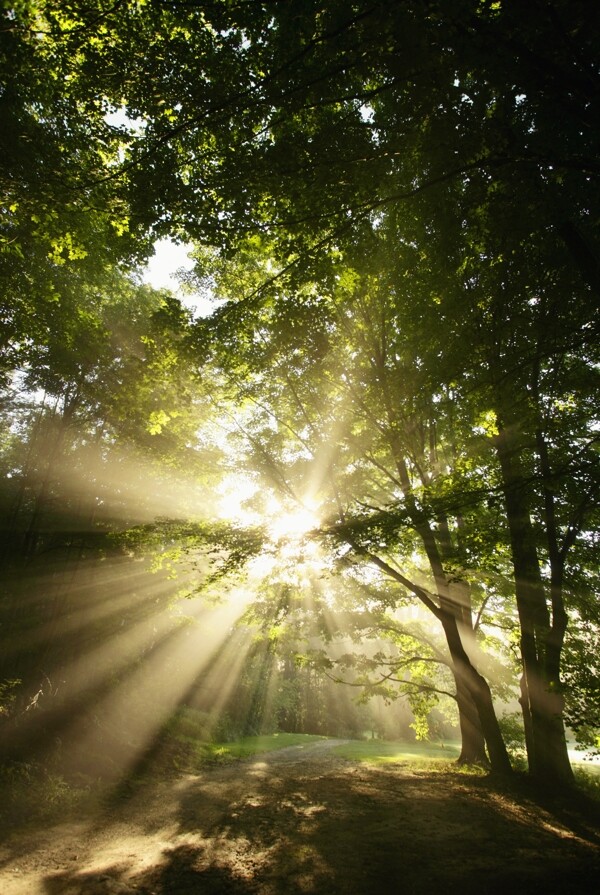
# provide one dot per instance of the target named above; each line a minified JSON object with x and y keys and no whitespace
{"x":8,"y":696}
{"x":401,"y":237}
{"x":214,"y":550}
{"x":582,"y":684}
{"x":588,"y":780}
{"x":31,"y":793}
{"x":514,"y":735}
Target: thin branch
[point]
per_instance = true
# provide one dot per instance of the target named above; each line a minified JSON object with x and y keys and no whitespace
{"x":422,"y":688}
{"x":477,"y":622}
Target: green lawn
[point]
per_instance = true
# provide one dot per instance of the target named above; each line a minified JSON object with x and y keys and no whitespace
{"x":372,"y":751}
{"x":196,"y":751}
{"x":382,"y":752}
{"x":248,"y":746}
{"x":592,"y":768}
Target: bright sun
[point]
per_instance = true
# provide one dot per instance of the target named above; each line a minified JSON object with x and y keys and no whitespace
{"x":283,"y":523}
{"x":293,"y":525}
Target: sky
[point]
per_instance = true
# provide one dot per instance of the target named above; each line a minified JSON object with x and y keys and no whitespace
{"x":160,"y":273}
{"x":167,"y":259}
{"x":168,"y":255}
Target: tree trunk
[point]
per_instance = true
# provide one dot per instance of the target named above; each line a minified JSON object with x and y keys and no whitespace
{"x":458,"y":600}
{"x":541,"y":638}
{"x":552,"y":764}
{"x":473,"y":703}
{"x":524,"y":703}
{"x":472,"y":739}
{"x":480,"y":693}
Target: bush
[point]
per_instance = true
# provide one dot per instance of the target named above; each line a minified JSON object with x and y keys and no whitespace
{"x":8,"y":696}
{"x":29,"y":792}
{"x":588,"y":781}
{"x":188,"y":723}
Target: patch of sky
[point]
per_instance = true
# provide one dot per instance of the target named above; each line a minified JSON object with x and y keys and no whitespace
{"x":119,"y":117}
{"x":367,"y":113}
{"x":163,"y":271}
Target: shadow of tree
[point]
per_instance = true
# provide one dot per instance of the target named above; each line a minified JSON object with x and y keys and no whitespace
{"x":375,"y":831}
{"x":273,"y":828}
{"x":179,"y":875}
{"x":183,"y":872}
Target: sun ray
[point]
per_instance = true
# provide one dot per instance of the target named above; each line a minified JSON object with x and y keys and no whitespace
{"x":143,"y":694}
{"x":291,"y":524}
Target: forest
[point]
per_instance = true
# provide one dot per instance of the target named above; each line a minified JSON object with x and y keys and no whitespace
{"x":343,"y":479}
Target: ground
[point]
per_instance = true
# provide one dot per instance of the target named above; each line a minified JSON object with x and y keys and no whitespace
{"x":303,"y":820}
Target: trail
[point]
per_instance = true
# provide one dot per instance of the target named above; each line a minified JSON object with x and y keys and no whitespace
{"x":302,"y":820}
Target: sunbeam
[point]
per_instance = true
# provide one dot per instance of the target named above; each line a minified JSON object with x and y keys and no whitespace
{"x":290,"y":524}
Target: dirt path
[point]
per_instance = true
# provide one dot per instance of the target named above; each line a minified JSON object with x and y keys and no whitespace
{"x":301,"y":820}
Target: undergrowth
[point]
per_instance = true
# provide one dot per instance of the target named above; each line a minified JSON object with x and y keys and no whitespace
{"x":588,"y":780}
{"x":31,"y":792}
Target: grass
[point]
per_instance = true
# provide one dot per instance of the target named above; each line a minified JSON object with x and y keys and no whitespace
{"x":587,"y":778}
{"x":438,"y":757}
{"x":189,"y":738}
{"x":30,"y":792}
{"x":249,"y":746}
{"x":588,"y":767}
{"x":382,"y":752}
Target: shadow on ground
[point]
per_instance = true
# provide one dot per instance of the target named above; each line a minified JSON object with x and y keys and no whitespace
{"x":300,"y":825}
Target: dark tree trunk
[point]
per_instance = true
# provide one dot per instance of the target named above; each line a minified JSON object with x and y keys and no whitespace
{"x":541,"y":636}
{"x":480,"y":693}
{"x":472,"y":739}
{"x":524,"y":703}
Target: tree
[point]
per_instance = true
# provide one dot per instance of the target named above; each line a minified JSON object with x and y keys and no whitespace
{"x":494,"y":115}
{"x":528,"y":373}
{"x":101,"y":425}
{"x":57,"y":239}
{"x":361,"y":377}
{"x":344,"y":404}
{"x":317,"y":127}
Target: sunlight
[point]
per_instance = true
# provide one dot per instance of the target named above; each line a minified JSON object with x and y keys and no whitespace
{"x":128,"y":662}
{"x":291,"y":525}
{"x":168,"y":257}
{"x":238,"y":501}
{"x":179,"y":655}
{"x":234,"y":494}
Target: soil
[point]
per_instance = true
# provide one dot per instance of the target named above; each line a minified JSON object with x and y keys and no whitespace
{"x":303,"y":820}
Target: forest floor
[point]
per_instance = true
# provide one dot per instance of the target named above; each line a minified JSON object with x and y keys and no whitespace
{"x":303,"y":820}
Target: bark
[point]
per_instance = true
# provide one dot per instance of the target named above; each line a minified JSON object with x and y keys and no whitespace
{"x":541,"y":636}
{"x":472,"y":739}
{"x":479,"y":692}
{"x":527,"y":724}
